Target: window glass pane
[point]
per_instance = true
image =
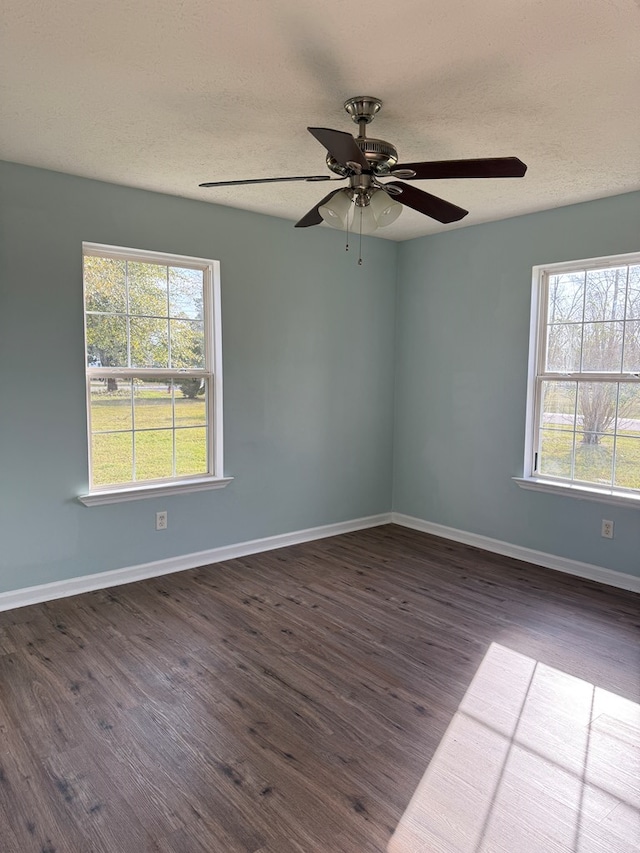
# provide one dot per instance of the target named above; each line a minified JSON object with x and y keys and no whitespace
{"x":555,"y":453}
{"x":149,"y":342}
{"x":186,"y":293}
{"x":633,"y":293}
{"x":110,"y":404}
{"x":629,"y":409}
{"x":589,"y":431}
{"x":594,"y":456}
{"x":187,"y":343}
{"x":628,"y":463}
{"x":104,"y":282}
{"x":153,"y":403}
{"x":631,"y":347}
{"x":147,"y":289}
{"x":605,"y":294}
{"x":558,"y":405}
{"x":106,"y":340}
{"x":563,"y":348}
{"x":602,"y":347}
{"x":596,"y":409}
{"x":111,"y":458}
{"x":191,"y":451}
{"x":566,"y":297}
{"x":146,"y":317}
{"x":190,"y":402}
{"x":154,"y":454}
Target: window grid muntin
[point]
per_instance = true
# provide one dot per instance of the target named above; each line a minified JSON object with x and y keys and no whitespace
{"x":211,"y":372}
{"x":128,"y":325}
{"x":615,"y":430}
{"x":584,"y":311}
{"x":616,"y":378}
{"x":624,"y":318}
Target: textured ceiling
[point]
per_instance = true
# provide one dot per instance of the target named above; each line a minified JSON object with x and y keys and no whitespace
{"x":165,"y":94}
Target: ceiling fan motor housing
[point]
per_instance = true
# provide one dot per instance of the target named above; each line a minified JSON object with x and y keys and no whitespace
{"x":381,"y":156}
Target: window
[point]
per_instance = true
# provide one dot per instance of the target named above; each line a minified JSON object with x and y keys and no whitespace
{"x":153,"y":373}
{"x":584,"y":406}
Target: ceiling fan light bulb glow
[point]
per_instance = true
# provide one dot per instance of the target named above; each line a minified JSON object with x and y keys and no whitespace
{"x":336,"y":211}
{"x":385,"y":209}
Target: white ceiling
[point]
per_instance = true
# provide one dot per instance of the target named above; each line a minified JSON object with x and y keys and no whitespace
{"x":165,"y":94}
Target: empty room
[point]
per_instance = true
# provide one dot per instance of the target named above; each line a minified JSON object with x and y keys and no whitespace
{"x":320,"y":506}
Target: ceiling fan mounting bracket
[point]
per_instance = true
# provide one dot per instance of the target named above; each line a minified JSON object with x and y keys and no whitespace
{"x":362,"y":108}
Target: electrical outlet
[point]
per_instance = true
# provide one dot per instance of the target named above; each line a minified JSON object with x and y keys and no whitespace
{"x":161,"y":520}
{"x":607,"y":529}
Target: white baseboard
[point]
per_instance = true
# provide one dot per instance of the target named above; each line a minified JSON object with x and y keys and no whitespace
{"x":116,"y":577}
{"x":528,"y":555}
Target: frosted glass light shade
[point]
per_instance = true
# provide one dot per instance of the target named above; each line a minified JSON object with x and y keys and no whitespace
{"x":364,"y":220}
{"x":336,"y":211}
{"x":340,"y":210}
{"x":385,"y":209}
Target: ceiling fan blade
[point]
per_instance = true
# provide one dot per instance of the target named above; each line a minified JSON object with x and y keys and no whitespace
{"x":430,"y":205}
{"x":313,"y":216}
{"x":267,"y":181}
{"x":486,"y":167}
{"x":340,"y":145}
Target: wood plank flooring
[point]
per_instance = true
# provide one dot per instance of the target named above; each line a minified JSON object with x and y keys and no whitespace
{"x":287,"y":702}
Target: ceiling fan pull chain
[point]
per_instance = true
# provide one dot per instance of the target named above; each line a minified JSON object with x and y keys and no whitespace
{"x":346,"y":248}
{"x":360,"y":245}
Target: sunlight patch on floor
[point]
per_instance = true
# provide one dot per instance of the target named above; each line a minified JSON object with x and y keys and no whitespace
{"x":534,"y":761}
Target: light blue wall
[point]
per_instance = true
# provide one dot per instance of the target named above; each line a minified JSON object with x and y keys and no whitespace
{"x":308,"y":340}
{"x":461,"y":377}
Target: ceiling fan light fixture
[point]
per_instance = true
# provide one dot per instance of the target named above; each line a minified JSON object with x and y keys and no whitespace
{"x":336,"y":211}
{"x":385,"y":209}
{"x":364,"y":220}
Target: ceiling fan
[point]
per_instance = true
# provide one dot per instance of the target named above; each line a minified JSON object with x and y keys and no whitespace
{"x":369,"y":202}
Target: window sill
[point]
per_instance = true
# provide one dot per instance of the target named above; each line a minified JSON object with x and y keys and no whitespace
{"x":582,"y":492}
{"x":152,"y":490}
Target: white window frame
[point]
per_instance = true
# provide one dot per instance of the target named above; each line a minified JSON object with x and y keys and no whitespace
{"x":536,"y":375}
{"x":214,"y":478}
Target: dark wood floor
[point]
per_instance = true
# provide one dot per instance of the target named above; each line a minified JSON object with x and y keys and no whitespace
{"x":287,"y":701}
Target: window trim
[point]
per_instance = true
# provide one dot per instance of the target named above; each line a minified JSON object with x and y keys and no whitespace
{"x":537,"y":337}
{"x":214,"y":478}
{"x":152,"y":490}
